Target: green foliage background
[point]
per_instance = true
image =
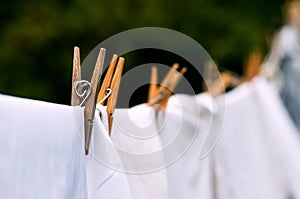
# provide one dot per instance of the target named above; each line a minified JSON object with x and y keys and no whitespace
{"x":37,"y":37}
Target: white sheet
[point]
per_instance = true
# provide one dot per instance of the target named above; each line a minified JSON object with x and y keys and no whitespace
{"x":41,"y":153}
{"x":104,"y":179}
{"x":134,"y":134}
{"x":258,"y":153}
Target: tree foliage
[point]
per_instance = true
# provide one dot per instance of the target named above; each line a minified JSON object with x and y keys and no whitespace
{"x":37,"y":37}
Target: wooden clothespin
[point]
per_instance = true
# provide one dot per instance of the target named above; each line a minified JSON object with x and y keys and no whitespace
{"x":86,"y":96}
{"x":108,"y":94}
{"x":253,"y":65}
{"x":225,"y":80}
{"x":160,"y":95}
{"x":229,"y":79}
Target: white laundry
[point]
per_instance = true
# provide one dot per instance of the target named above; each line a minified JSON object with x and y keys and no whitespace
{"x":184,"y":131}
{"x":104,"y":178}
{"x":258,"y":153}
{"x":283,"y":66}
{"x":135,"y":136}
{"x":41,"y":153}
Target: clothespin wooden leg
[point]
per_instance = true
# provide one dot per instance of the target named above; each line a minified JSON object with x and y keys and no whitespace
{"x":153,"y":83}
{"x":169,"y":76}
{"x":108,"y":77}
{"x":115,"y":84}
{"x":253,"y":64}
{"x":174,"y":80}
{"x":90,"y":105}
{"x":220,"y":84}
{"x":76,"y":76}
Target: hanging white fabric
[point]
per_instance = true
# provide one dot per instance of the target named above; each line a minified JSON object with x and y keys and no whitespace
{"x":41,"y":153}
{"x":183,"y":129}
{"x":104,"y":178}
{"x":135,"y":136}
{"x":258,"y":153}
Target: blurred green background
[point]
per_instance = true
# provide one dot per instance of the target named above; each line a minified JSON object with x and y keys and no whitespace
{"x":37,"y":37}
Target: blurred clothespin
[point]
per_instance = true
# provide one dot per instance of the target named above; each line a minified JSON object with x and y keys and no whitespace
{"x":253,"y":65}
{"x":159,"y":95}
{"x":108,"y":93}
{"x":229,"y":79}
{"x":226,"y":79}
{"x":84,"y":92}
{"x":210,"y":73}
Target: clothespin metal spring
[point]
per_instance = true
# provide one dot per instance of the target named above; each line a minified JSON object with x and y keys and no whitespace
{"x":86,"y":93}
